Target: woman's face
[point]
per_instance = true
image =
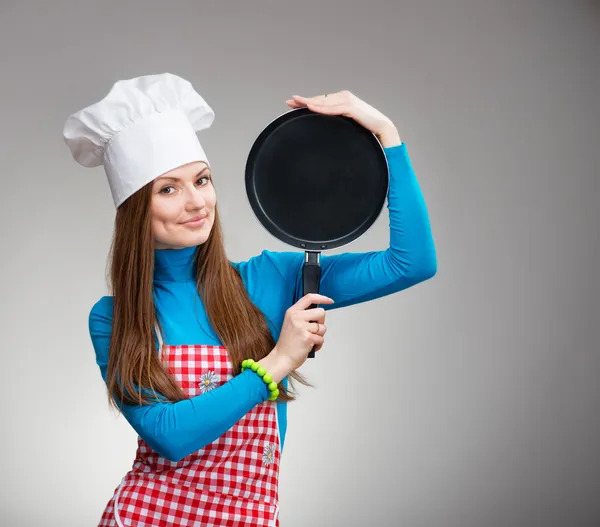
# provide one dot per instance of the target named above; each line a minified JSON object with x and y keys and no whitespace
{"x":178,"y":196}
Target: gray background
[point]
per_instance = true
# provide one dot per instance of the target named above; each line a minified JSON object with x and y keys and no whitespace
{"x":471,"y":400}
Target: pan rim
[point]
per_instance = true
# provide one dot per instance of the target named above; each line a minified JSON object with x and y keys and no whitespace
{"x":275,"y":230}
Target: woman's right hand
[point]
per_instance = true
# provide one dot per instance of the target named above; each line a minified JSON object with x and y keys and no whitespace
{"x":302,"y":329}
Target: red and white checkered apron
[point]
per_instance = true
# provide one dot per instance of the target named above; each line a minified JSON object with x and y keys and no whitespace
{"x":232,"y":481}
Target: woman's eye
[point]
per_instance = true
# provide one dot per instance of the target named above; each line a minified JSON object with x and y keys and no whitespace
{"x":162,"y":191}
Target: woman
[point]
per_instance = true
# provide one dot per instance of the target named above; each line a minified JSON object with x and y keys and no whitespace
{"x":197,"y":351}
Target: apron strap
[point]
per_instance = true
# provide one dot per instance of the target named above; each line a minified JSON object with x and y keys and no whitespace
{"x":158,"y":336}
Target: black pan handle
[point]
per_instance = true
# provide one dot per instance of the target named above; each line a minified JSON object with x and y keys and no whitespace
{"x":311,"y":278}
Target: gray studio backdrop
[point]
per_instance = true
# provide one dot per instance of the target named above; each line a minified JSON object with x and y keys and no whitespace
{"x":471,"y":400}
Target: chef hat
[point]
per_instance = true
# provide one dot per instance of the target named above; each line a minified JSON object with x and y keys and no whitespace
{"x":143,"y":128}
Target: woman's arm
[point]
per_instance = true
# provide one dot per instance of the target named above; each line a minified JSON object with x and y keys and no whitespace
{"x":355,"y":277}
{"x":350,"y":278}
{"x":175,"y":430}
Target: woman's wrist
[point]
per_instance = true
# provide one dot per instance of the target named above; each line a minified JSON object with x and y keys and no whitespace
{"x":389,"y":137}
{"x":276,"y":365}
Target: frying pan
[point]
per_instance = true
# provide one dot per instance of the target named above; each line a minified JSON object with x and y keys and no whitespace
{"x":316,"y":182}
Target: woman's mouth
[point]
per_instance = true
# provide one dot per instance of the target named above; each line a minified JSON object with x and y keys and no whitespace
{"x":197,"y":221}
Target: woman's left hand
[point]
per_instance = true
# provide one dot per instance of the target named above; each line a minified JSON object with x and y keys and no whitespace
{"x":349,"y":105}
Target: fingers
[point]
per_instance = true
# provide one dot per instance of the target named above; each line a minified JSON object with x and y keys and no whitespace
{"x":294,"y":104}
{"x":317,"y":341}
{"x":311,"y":100}
{"x":305,"y":319}
{"x":310,"y":299}
{"x":316,"y":314}
{"x":322,"y":329}
{"x":312,"y":321}
{"x":316,"y":338}
{"x":332,"y":98}
{"x":315,"y":327}
{"x":300,"y":102}
{"x":328,"y":109}
{"x":330,"y":106}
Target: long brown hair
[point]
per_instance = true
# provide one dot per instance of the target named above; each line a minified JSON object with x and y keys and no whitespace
{"x":135,"y":374}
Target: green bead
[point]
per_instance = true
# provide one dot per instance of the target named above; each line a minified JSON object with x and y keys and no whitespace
{"x":273,"y":386}
{"x":274,"y":395}
{"x":261,"y":371}
{"x":244,"y":363}
{"x":254,"y":366}
{"x":267,"y":378}
{"x":249,"y":363}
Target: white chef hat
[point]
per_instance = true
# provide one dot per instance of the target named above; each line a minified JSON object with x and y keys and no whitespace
{"x":143,"y":128}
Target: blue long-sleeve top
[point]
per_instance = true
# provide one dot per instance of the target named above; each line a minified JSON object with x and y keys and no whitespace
{"x":273,"y":281}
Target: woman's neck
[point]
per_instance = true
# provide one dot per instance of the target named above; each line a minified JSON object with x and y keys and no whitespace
{"x":174,"y":265}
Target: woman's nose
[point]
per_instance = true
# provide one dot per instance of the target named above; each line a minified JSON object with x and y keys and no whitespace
{"x":195,"y":199}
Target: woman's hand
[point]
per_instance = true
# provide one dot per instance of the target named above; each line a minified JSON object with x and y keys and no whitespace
{"x":349,"y":105}
{"x":302,"y":329}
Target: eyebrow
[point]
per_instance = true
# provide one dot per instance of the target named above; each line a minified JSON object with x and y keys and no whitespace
{"x":170,"y":178}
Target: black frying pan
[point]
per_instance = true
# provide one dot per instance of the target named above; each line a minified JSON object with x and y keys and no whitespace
{"x":316,"y":182}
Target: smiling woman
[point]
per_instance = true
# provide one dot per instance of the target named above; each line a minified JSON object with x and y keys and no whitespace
{"x":198,"y":352}
{"x":183,"y":207}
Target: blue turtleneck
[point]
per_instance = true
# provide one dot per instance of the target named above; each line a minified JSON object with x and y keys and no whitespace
{"x":273,"y":282}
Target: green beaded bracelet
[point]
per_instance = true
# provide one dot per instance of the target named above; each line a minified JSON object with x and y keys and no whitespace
{"x":262,"y":373}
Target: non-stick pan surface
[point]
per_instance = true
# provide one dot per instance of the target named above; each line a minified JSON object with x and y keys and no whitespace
{"x":316,"y":181}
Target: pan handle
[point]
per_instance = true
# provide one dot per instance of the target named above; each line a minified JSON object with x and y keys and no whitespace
{"x":311,"y":278}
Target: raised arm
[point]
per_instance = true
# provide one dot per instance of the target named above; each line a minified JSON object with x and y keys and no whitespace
{"x":354,"y":277}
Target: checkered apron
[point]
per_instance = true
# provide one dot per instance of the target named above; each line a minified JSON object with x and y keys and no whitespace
{"x":232,"y":481}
